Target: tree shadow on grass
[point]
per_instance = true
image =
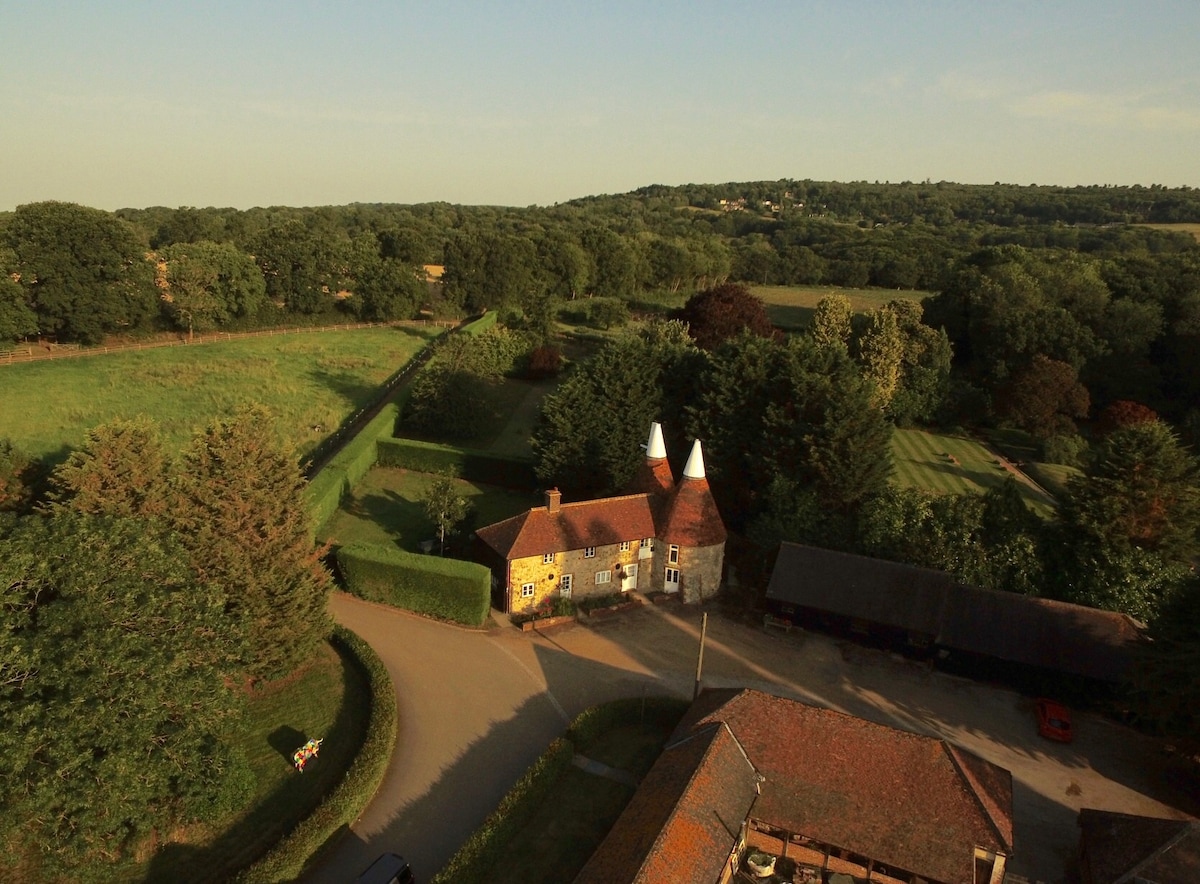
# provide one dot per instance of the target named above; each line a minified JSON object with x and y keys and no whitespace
{"x":277,"y":813}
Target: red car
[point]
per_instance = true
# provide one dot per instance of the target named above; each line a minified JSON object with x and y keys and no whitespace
{"x":1054,"y":721}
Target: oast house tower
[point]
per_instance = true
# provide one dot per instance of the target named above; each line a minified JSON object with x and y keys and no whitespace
{"x":663,"y":537}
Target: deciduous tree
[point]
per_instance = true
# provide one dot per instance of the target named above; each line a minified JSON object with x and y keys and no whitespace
{"x":723,"y":312}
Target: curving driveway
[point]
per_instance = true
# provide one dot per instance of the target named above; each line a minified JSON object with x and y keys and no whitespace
{"x":477,"y":708}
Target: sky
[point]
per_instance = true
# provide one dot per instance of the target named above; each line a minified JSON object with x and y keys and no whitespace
{"x":116,"y":103}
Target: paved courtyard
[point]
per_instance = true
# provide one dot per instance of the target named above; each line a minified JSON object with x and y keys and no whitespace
{"x":476,"y":708}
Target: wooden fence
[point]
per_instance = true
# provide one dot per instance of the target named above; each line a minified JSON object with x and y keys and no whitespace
{"x":40,"y":351}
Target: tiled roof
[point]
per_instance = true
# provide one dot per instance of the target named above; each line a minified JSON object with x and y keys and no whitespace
{"x":575,"y":526}
{"x":1118,"y":848}
{"x":1021,"y":629}
{"x":653,"y":477}
{"x":691,"y":517}
{"x":684,"y":819}
{"x":902,"y":799}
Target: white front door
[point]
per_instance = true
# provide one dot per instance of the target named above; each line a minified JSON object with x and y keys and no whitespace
{"x":564,"y":586}
{"x":671,"y":583}
{"x":629,"y":581}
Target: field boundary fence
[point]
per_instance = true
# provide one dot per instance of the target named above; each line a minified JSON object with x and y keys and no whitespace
{"x":40,"y":351}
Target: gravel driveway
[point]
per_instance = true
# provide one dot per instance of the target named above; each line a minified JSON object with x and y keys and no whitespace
{"x":476,"y":708}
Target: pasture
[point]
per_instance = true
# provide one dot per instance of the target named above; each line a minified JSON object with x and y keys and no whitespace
{"x":791,"y":307}
{"x":954,"y":465}
{"x":311,"y":380}
{"x":1181,"y":227}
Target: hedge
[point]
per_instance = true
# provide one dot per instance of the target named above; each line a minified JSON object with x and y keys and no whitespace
{"x":480,"y":325}
{"x":591,"y":723}
{"x":348,"y":466}
{"x":484,"y":850}
{"x":465,"y":463}
{"x":341,"y":807}
{"x":448,"y":589}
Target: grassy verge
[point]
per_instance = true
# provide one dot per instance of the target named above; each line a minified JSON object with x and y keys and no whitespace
{"x":553,"y":820}
{"x":385,"y":508}
{"x":312,"y":381}
{"x":791,"y":307}
{"x":328,"y":699}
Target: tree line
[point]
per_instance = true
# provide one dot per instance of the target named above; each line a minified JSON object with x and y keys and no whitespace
{"x":141,"y":593}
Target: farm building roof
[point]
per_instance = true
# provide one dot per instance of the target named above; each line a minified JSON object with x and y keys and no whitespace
{"x":683,"y":821}
{"x":1020,"y":629}
{"x":904,"y":800}
{"x":1118,"y":848}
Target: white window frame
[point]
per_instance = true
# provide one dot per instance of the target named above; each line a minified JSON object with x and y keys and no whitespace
{"x":646,"y":549}
{"x":547,"y":558}
{"x":589,"y":552}
{"x":526,"y":590}
{"x":673,"y":554}
{"x":667,"y":576}
{"x":603,"y":577}
{"x":564,"y":586}
{"x":624,"y":546}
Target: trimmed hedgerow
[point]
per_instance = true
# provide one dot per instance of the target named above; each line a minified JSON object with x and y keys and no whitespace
{"x":485,"y":848}
{"x":301,"y":847}
{"x":464,"y":463}
{"x":447,"y":589}
{"x":662,"y":712}
{"x":338,"y":477}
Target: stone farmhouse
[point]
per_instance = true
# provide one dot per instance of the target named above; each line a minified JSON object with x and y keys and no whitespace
{"x":831,"y":796}
{"x":667,"y":536}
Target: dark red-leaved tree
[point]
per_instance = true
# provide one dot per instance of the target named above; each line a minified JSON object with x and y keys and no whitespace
{"x":1123,"y":413}
{"x":717,"y":314}
{"x":1044,"y":398}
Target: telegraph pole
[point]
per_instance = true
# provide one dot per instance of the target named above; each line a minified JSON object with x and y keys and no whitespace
{"x":700,"y":656}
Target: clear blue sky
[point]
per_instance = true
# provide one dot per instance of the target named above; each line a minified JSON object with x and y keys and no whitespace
{"x":115,"y":103}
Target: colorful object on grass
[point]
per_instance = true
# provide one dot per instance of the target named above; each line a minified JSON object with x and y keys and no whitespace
{"x":305,"y":753}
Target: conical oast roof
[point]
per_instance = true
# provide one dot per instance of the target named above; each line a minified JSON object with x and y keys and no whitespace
{"x":654,"y":473}
{"x":692,"y":518}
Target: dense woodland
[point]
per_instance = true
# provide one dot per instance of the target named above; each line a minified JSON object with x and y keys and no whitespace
{"x":1050,"y":310}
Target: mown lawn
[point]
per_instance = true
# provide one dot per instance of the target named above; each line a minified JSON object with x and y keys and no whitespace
{"x":328,"y":700}
{"x":952,"y":465}
{"x":385,"y":508}
{"x":312,"y":381}
{"x":791,"y":307}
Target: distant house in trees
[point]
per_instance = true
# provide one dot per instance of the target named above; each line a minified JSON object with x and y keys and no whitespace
{"x":825,"y":792}
{"x":666,"y":537}
{"x":929,"y":609}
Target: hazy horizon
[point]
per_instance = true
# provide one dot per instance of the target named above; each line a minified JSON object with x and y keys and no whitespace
{"x":124,"y":105}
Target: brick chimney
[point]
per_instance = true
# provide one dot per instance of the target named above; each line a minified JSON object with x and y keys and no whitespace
{"x":553,"y":500}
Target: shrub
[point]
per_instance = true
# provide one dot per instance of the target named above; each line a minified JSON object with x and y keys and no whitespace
{"x":447,"y":589}
{"x":342,"y":806}
{"x":590,"y":724}
{"x":1067,"y":450}
{"x":544,"y":362}
{"x":601,"y":601}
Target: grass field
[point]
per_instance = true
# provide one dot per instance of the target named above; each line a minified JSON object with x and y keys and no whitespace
{"x":791,"y":307}
{"x":1185,"y":227}
{"x":953,"y":465}
{"x":328,"y":700}
{"x":385,"y":508}
{"x":310,"y":380}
